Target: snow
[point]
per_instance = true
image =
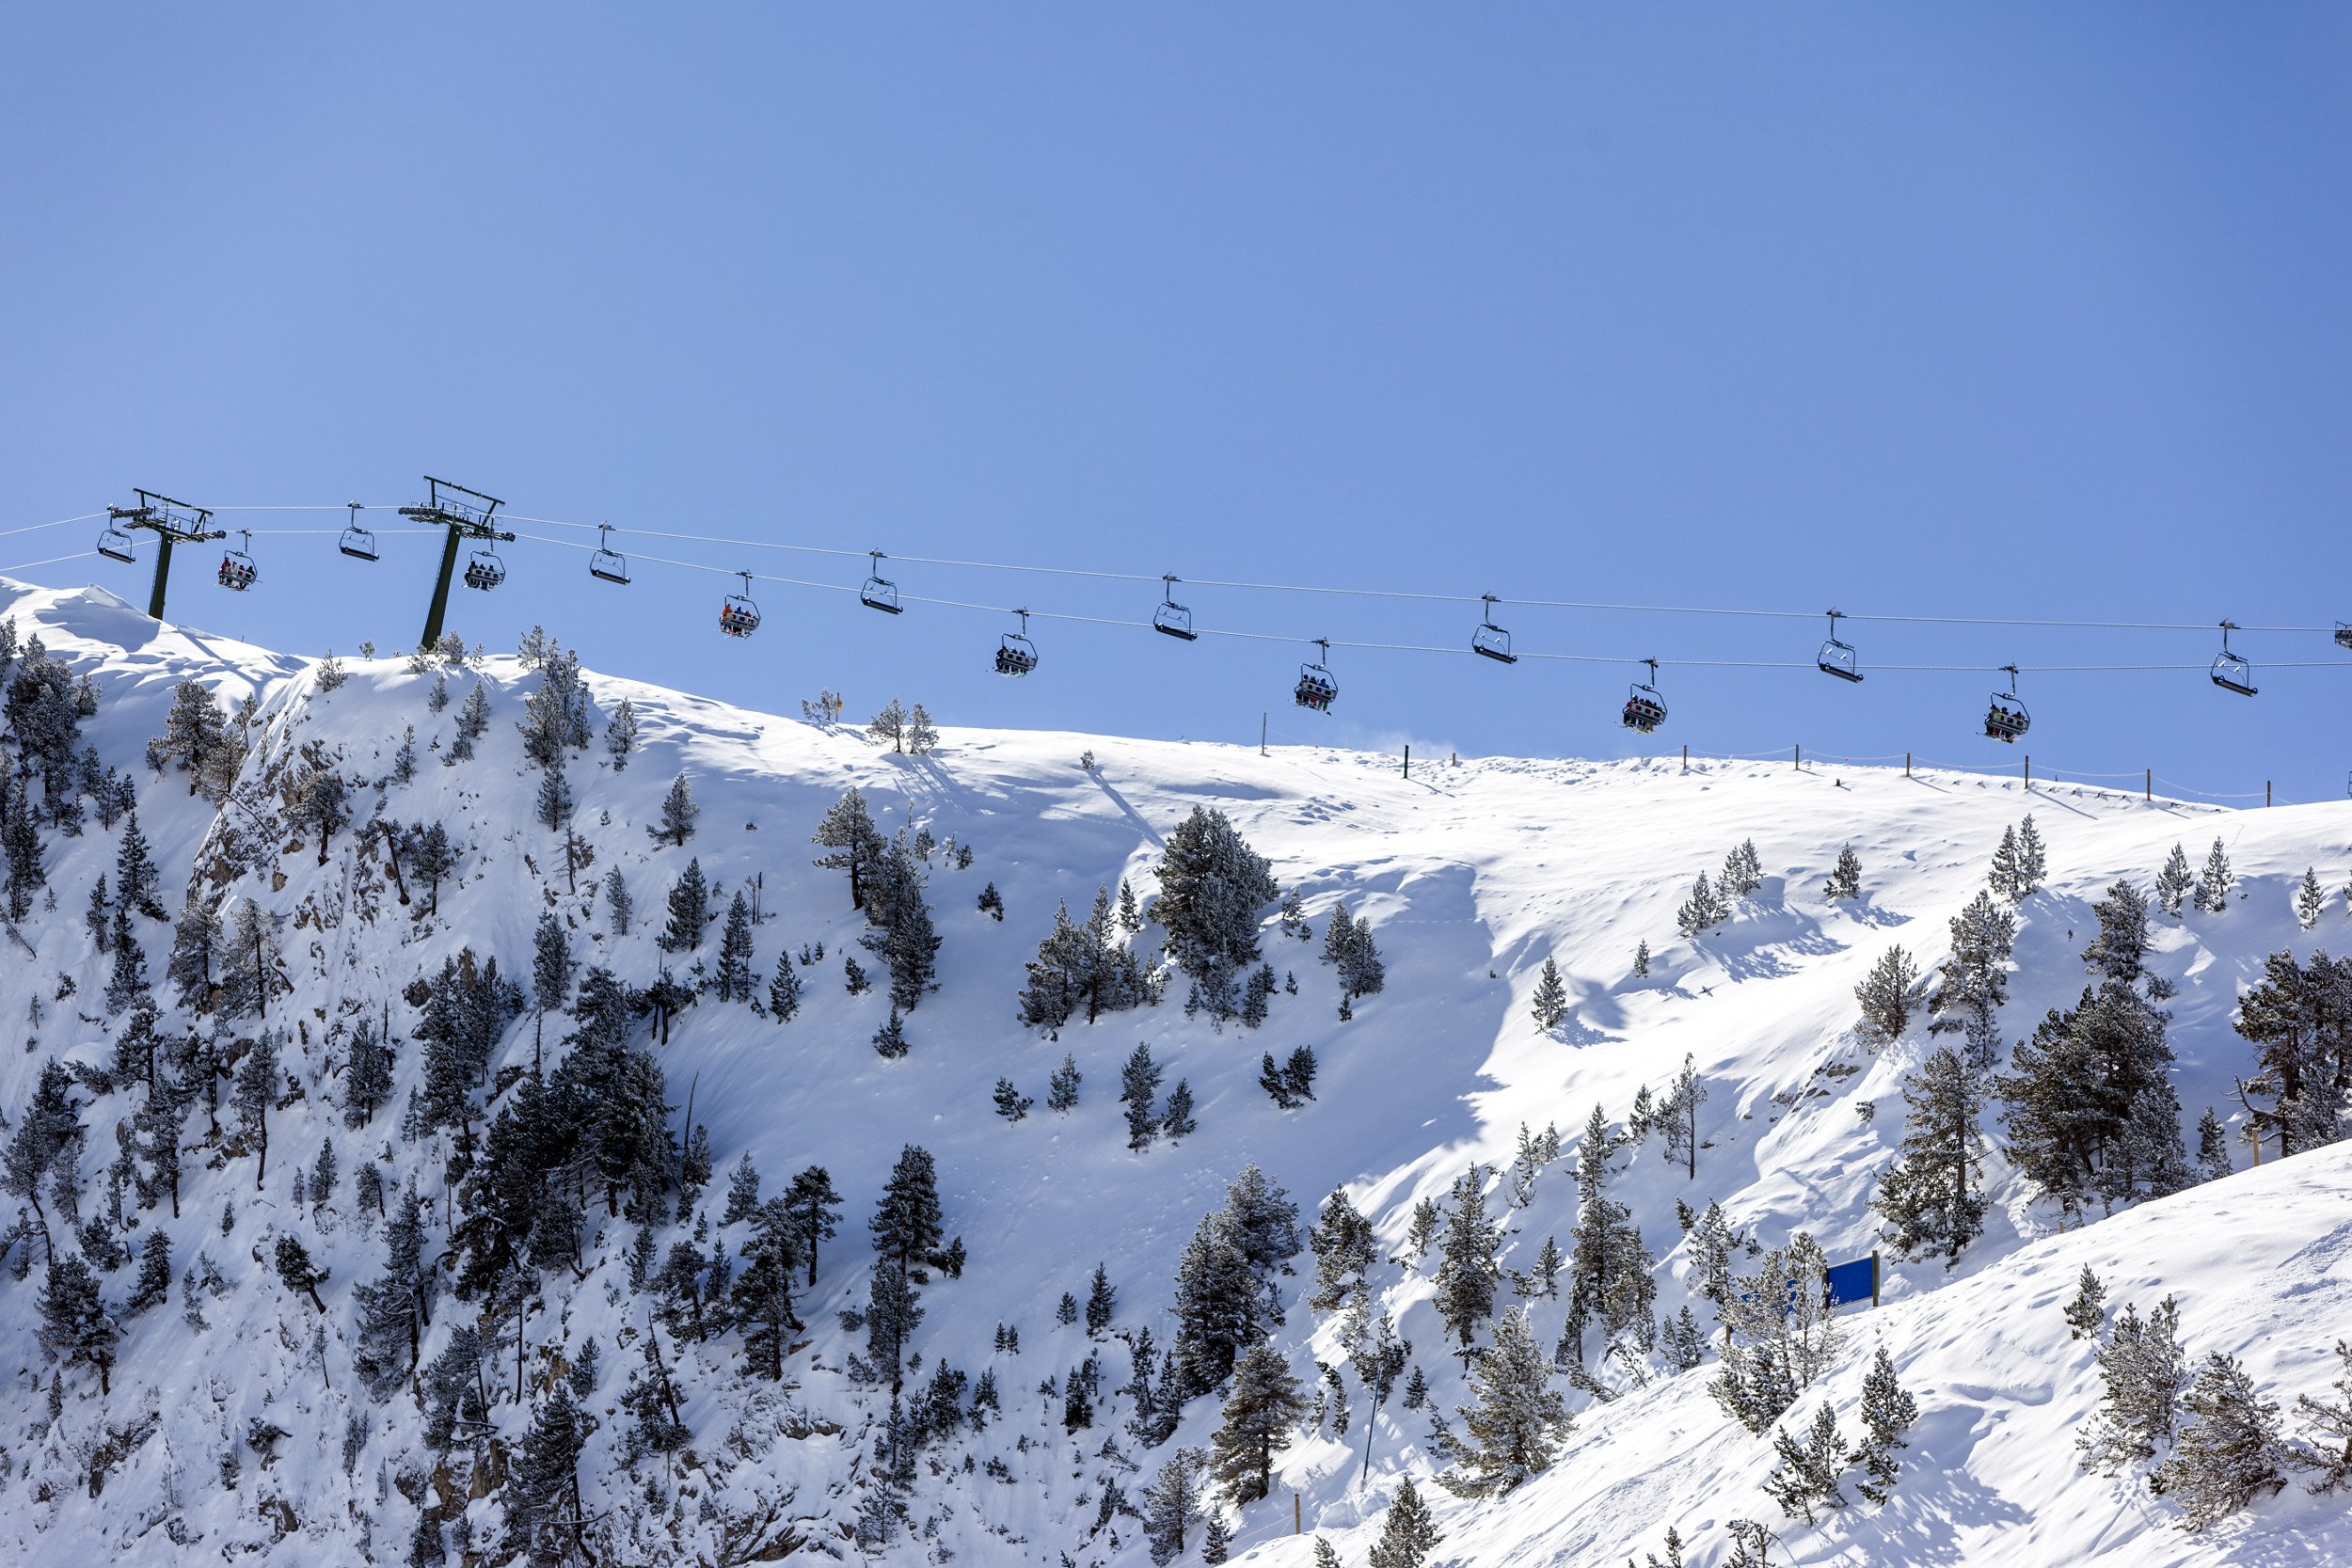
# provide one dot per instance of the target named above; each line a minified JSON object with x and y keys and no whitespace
{"x":1471,"y":875}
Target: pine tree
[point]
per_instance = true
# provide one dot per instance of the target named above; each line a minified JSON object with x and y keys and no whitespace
{"x":993,"y":903}
{"x":1170,"y":1502}
{"x":1807,"y":1473}
{"x":815,"y":1209}
{"x":734,"y":976}
{"x":620,"y":735}
{"x":1513,"y":1428}
{"x":542,"y":1510}
{"x":99,"y":918}
{"x":1845,"y":881}
{"x":889,"y":724}
{"x":473,"y":722}
{"x":1061,"y":1089}
{"x":1262,"y":1407}
{"x":743,"y":1191}
{"x":1212,"y":885}
{"x":137,"y":884}
{"x":1344,"y":1249}
{"x":760,"y":1299}
{"x":2229,"y":1454}
{"x":1887,"y":996}
{"x":1887,"y":1411}
{"x":551,"y":964}
{"x":2212,"y":1147}
{"x":2310,"y":899}
{"x":890,"y":1040}
{"x":690,"y":901}
{"x":1326,"y":1556}
{"x":1407,"y":1533}
{"x":1973,"y":981}
{"x":2032,"y":862}
{"x":616,"y":901}
{"x":1744,"y":871}
{"x":1011,"y":1104}
{"x":433,"y":856}
{"x":1641,"y":960}
{"x":126,"y":981}
{"x":298,"y":1273}
{"x":257,"y":1087}
{"x":1702,"y":910}
{"x":154,"y":1282}
{"x":784,"y":992}
{"x":553,"y":806}
{"x":1177,"y":1121}
{"x":2143,"y":1367}
{"x":921,"y":737}
{"x":1550,"y":1002}
{"x":2215,"y":881}
{"x":2328,"y":1424}
{"x":1216,"y":1538}
{"x":2174,"y":882}
{"x":2085,"y":1315}
{"x":848,"y":831}
{"x":679,"y":811}
{"x":1678,"y":1117}
{"x":1783,"y":1333}
{"x":1139,"y":1087}
{"x":1465,"y":1265}
{"x":75,"y":1326}
{"x":1929,"y":1198}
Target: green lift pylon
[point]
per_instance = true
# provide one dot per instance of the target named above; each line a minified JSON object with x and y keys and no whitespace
{"x":172,"y":523}
{"x":465,"y":513}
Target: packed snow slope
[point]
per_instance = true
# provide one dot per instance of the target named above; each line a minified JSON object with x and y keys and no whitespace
{"x":1471,"y":875}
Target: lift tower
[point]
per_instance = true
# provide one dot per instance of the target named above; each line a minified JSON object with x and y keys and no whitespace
{"x":465,"y":513}
{"x":172,"y":523}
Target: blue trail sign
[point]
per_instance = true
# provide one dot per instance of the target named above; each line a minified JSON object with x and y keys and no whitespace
{"x":1852,"y":1282}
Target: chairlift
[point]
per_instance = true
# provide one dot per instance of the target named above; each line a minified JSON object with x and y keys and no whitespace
{"x":608,"y":565}
{"x":1491,"y":641}
{"x":2229,"y":672}
{"x":738,"y":616}
{"x":1316,"y":688}
{"x":879,"y":592}
{"x":1015,"y":653}
{"x":357,"y":542}
{"x":1645,"y":709}
{"x":485,"y":571}
{"x":237,"y":571}
{"x":1838,"y":658}
{"x":2343,"y":634}
{"x":114,"y":545}
{"x":2006,"y":718}
{"x":1171,"y":617}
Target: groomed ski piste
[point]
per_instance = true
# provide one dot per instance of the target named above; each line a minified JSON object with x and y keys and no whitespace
{"x":1471,"y":875}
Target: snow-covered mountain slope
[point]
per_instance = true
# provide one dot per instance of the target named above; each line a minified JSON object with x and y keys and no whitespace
{"x":1471,"y":876}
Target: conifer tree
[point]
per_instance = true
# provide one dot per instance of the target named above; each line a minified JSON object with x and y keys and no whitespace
{"x":690,"y":901}
{"x":2229,"y":1452}
{"x":1011,"y":1104}
{"x":2174,"y":882}
{"x":1887,"y":1411}
{"x":1139,"y":1087}
{"x":1344,"y":1249}
{"x":1177,"y":1120}
{"x":429,"y":851}
{"x":2310,"y":899}
{"x":2212,"y":1147}
{"x":815,"y":1209}
{"x":1744,"y":871}
{"x":616,"y":901}
{"x":1465,"y":1265}
{"x":1212,"y":885}
{"x":1407,"y":1533}
{"x":1846,"y":881}
{"x":1102,"y":1301}
{"x":1512,"y":1427}
{"x":1061,"y":1089}
{"x":1260,"y":1409}
{"x":921,"y":737}
{"x":1806,"y":1475}
{"x":620,"y":735}
{"x":75,"y":1326}
{"x":1929,"y":1197}
{"x":1550,"y":1002}
{"x":1702,"y":910}
{"x":99,"y":918}
{"x":2328,"y":1425}
{"x":890,"y":1040}
{"x":679,"y":811}
{"x":856,"y":846}
{"x":889,"y":724}
{"x":1973,"y":981}
{"x":733,"y":981}
{"x":136,"y":880}
{"x":257,"y":1087}
{"x":2085,"y":1315}
{"x":1641,"y":960}
{"x":1888,"y":994}
{"x":2215,"y":881}
{"x":1170,"y":1502}
{"x":1678,"y":1116}
{"x":126,"y":981}
{"x":760,"y":1298}
{"x":543,"y":1513}
{"x":2143,"y":1367}
{"x":298,"y":1273}
{"x":783,"y":991}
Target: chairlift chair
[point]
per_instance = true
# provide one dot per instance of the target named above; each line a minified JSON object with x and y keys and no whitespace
{"x":1171,"y":617}
{"x":2006,"y":718}
{"x":1645,"y":709}
{"x":1016,"y":654}
{"x":1491,"y":641}
{"x":738,"y":616}
{"x":608,"y":565}
{"x":1316,"y":688}
{"x":357,"y":542}
{"x":2343,"y":634}
{"x":1838,"y":658}
{"x":238,"y":571}
{"x":2229,"y":672}
{"x":114,"y":545}
{"x":879,"y":592}
{"x":485,"y":571}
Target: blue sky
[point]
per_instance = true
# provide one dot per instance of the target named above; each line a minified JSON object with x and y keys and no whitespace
{"x":2029,"y":312}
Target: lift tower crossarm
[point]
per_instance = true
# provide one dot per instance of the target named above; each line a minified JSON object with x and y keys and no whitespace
{"x":172,"y":522}
{"x":466,"y":514}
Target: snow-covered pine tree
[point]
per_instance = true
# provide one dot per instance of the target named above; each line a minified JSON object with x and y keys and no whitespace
{"x":783,"y":991}
{"x":1408,"y":1532}
{"x":2216,"y":880}
{"x":1170,"y":1502}
{"x":620,"y":735}
{"x":2328,"y":1429}
{"x":1467,"y":1274}
{"x":1139,"y":1087}
{"x":1262,"y":1406}
{"x":1512,"y":1429}
{"x":137,"y":884}
{"x":1887,"y":996}
{"x":1344,"y":1249}
{"x":2295,"y":1021}
{"x":76,"y":1326}
{"x":921,"y":734}
{"x":1702,"y":910}
{"x":2144,"y":1370}
{"x":2229,"y":1453}
{"x":1641,"y":960}
{"x":890,"y":1040}
{"x":2174,"y":883}
{"x":617,"y":904}
{"x":2212,"y":1147}
{"x":1782,"y":1331}
{"x":889,"y":724}
{"x":2087,"y":1315}
{"x":1806,"y":1475}
{"x":679,"y":811}
{"x":815,"y":1209}
{"x":1973,"y":981}
{"x":847,"y":830}
{"x":1928,"y":1196}
{"x":2310,"y":899}
{"x":1550,"y":1002}
{"x":1744,"y":871}
{"x":1212,"y":886}
{"x":1678,"y":1117}
{"x":1887,"y":1411}
{"x":1846,"y":881}
{"x":1011,"y":1104}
